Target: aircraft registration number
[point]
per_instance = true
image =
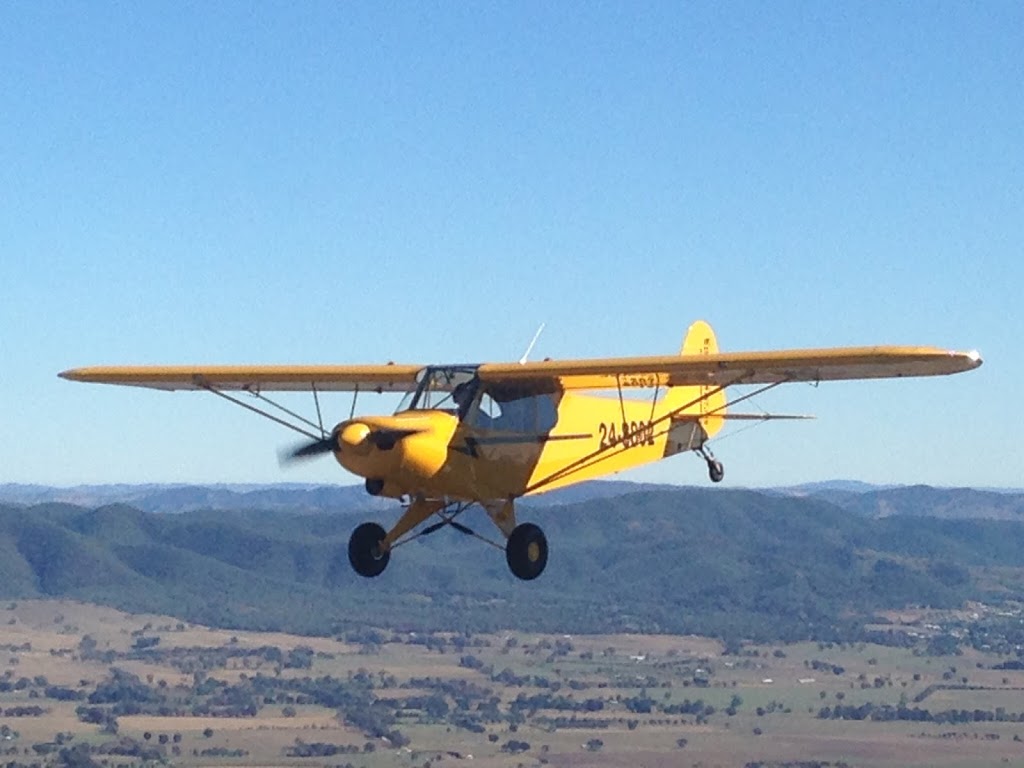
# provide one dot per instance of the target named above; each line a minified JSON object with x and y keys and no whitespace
{"x":627,"y":434}
{"x":646,"y":380}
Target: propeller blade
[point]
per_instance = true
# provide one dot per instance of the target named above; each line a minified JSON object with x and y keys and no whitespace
{"x":313,"y":449}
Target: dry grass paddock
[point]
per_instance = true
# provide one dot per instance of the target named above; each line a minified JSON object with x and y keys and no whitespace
{"x":43,"y":638}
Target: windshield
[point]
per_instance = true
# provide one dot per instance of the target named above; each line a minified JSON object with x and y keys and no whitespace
{"x":446,"y":388}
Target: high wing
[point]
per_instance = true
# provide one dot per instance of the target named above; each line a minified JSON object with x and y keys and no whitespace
{"x":255,"y":378}
{"x":723,"y":369}
{"x":720,"y":369}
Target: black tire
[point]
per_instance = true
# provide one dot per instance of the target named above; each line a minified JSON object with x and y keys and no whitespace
{"x":716,"y":471}
{"x":364,"y":550}
{"x":526,"y":551}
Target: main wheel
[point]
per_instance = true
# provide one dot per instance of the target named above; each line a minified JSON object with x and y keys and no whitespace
{"x":716,"y":471}
{"x":527,"y":551}
{"x":364,"y":550}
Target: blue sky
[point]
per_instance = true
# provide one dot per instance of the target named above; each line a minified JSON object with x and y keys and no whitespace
{"x":363,"y":182}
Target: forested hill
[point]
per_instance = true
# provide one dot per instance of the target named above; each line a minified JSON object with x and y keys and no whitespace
{"x":860,"y":498}
{"x":718,"y":562}
{"x":289,"y":497}
{"x":923,"y":500}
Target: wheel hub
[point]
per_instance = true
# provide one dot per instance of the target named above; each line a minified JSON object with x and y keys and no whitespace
{"x":533,"y":552}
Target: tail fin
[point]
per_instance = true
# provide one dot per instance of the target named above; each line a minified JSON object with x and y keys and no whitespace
{"x":700,"y":340}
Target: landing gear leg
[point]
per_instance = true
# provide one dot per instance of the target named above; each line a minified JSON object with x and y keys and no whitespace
{"x":716,"y":472}
{"x":369,"y":548}
{"x":502,"y":514}
{"x":418,"y":511}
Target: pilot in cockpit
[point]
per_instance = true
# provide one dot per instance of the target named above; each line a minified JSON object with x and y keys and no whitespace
{"x":463,"y":397}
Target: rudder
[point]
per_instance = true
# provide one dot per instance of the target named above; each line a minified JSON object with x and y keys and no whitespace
{"x":700,"y":340}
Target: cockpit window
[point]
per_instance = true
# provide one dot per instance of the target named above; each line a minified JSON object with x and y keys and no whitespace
{"x":515,"y":411}
{"x":445,"y":388}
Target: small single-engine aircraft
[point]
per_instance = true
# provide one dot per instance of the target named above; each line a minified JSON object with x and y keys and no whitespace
{"x":491,"y":433}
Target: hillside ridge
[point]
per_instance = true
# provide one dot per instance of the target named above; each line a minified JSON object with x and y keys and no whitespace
{"x":693,"y":560}
{"x":863,"y":498}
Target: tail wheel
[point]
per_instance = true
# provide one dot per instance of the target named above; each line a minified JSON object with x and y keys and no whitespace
{"x":364,"y":552}
{"x":527,"y":551}
{"x":716,"y":471}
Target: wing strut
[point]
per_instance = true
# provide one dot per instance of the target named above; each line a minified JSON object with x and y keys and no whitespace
{"x":355,"y":397}
{"x":319,"y":417}
{"x":268,"y":415}
{"x":654,"y":402}
{"x":622,"y":402}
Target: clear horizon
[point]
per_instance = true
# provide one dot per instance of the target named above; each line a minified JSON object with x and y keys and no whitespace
{"x":613,"y":479}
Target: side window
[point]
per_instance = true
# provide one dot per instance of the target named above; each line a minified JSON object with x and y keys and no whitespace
{"x":547,"y":413}
{"x":518,"y":415}
{"x":486,"y":413}
{"x":515,"y":412}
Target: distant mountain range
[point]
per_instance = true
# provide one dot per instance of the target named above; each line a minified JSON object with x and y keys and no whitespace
{"x":294,"y":497}
{"x":183,"y":498}
{"x":726,"y":562}
{"x":862,"y":498}
{"x":925,"y":501}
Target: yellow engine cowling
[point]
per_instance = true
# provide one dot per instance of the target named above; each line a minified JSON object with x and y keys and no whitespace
{"x":405,"y":452}
{"x":424,"y":454}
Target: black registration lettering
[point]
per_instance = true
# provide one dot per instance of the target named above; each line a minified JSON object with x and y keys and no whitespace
{"x":628,"y":434}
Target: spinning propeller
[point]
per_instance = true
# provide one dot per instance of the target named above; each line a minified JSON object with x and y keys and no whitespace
{"x":309,"y":450}
{"x":355,"y":437}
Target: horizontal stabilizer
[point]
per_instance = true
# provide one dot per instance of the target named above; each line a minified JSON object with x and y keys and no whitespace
{"x":728,"y":416}
{"x":766,"y":416}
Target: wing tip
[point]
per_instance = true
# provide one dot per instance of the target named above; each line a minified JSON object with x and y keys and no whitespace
{"x":88,"y":375}
{"x":965,"y":361}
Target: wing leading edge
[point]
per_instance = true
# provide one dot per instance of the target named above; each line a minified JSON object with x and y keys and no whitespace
{"x":255,"y":378}
{"x":720,"y":369}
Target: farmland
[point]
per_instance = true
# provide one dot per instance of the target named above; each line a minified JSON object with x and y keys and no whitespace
{"x":84,"y":685}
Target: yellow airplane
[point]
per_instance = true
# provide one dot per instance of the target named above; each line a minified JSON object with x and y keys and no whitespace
{"x":491,"y":433}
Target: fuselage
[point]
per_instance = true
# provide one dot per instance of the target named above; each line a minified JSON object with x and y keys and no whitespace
{"x":497,"y":443}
